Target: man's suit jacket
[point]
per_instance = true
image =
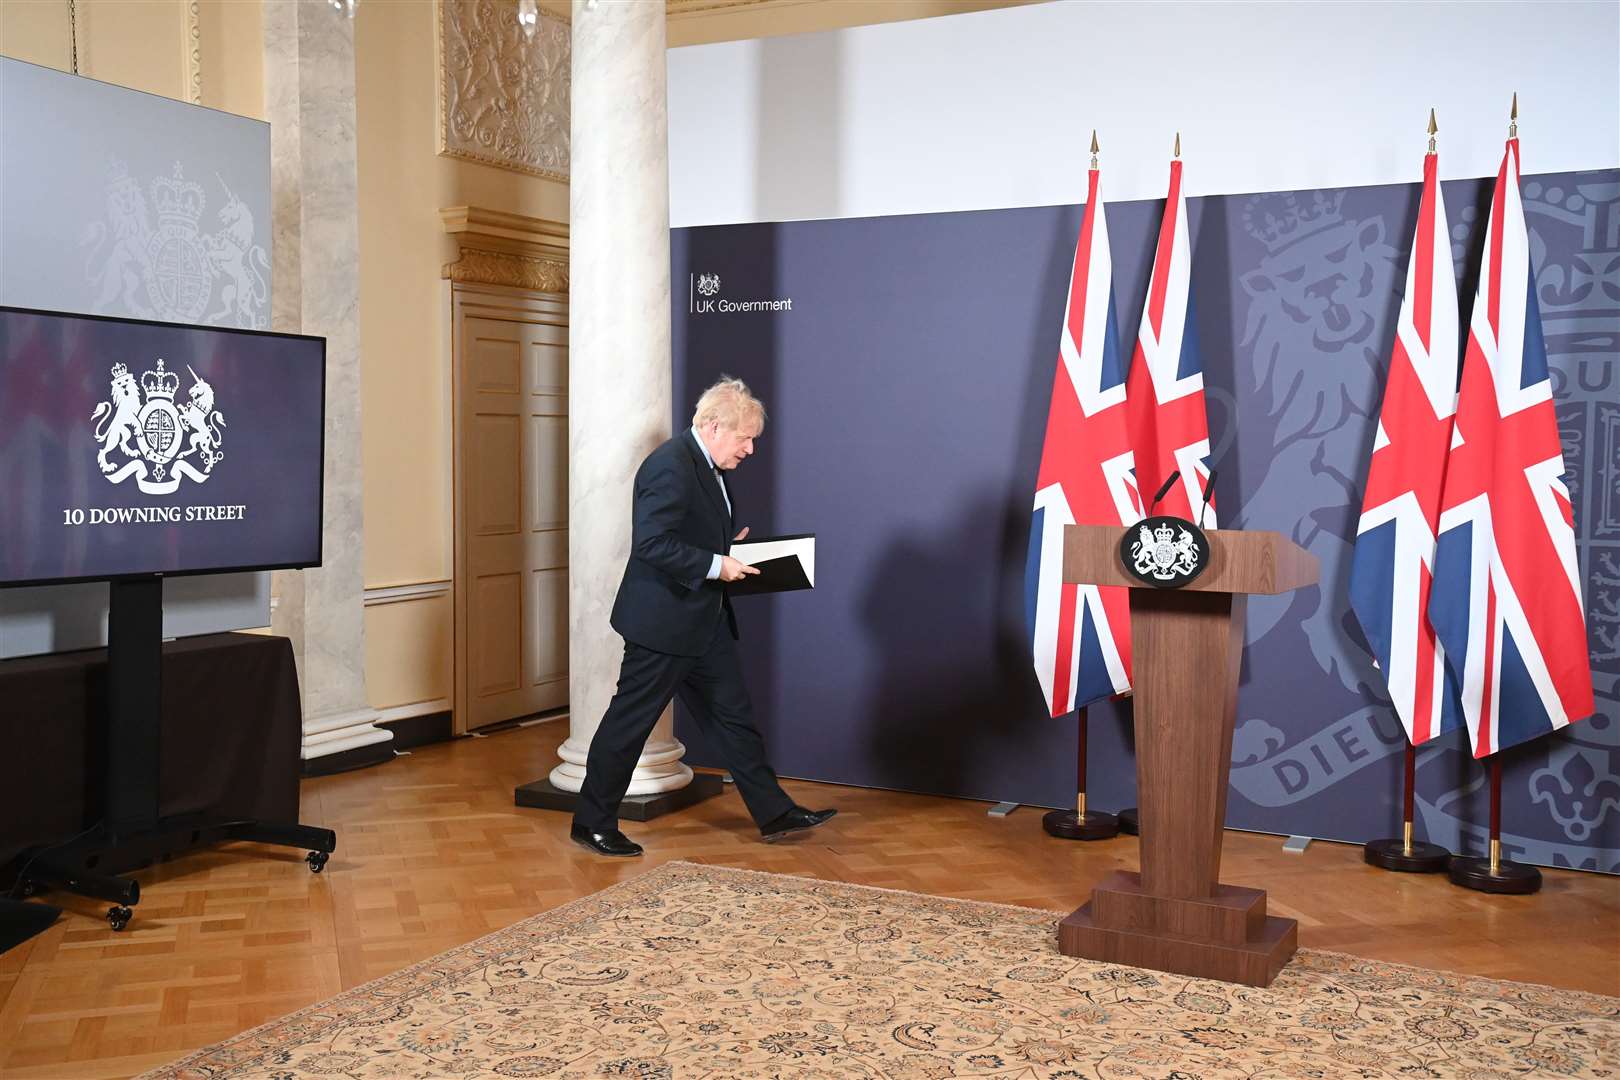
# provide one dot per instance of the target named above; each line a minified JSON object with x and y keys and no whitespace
{"x":679,"y":524}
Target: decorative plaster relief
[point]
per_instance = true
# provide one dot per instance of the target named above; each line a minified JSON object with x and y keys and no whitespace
{"x":501,"y":268}
{"x":503,"y":99}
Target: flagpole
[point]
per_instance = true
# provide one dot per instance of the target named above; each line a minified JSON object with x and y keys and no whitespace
{"x":1406,"y":811}
{"x":1494,"y":874}
{"x":1496,"y":814}
{"x":1406,"y":854}
{"x":1080,"y":823}
{"x":1065,"y":663}
{"x":1130,"y":822}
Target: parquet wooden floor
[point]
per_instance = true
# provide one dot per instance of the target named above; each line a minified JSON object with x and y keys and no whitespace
{"x":432,"y":853}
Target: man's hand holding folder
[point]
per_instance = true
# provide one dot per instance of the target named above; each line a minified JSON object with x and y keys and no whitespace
{"x":773,"y":564}
{"x":735,"y":569}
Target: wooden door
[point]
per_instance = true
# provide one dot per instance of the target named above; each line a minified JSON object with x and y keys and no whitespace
{"x":510,"y":350}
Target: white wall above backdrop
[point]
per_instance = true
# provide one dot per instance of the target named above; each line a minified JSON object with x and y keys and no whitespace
{"x":116,"y":202}
{"x":995,"y":108}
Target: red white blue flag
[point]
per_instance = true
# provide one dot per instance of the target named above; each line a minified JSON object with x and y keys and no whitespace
{"x":1081,"y":634}
{"x":1391,"y":570}
{"x":1506,"y":601}
{"x":1168,"y":426}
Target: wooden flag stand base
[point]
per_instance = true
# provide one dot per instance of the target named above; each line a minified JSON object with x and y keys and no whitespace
{"x":1129,"y":823}
{"x":1494,"y":874}
{"x":1407,"y":855}
{"x":1080,"y":823}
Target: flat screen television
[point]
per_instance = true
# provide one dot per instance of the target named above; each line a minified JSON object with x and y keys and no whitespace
{"x":132,"y":448}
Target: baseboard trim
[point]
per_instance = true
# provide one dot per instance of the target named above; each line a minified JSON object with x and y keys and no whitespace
{"x":413,"y":708}
{"x":420,"y":730}
{"x":358,"y":757}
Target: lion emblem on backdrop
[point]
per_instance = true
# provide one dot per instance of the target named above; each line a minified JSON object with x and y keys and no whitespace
{"x":117,"y":260}
{"x":1318,"y":298}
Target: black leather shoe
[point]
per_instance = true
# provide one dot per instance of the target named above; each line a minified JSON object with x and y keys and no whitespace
{"x":796,"y":820}
{"x":611,"y":842}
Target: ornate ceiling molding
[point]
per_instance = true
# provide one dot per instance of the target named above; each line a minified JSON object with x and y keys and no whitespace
{"x":498,"y":248}
{"x":503,"y":99}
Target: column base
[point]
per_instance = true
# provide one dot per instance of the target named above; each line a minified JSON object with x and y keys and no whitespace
{"x":1227,"y":936}
{"x":340,"y":741}
{"x":659,"y":769}
{"x":544,"y":795}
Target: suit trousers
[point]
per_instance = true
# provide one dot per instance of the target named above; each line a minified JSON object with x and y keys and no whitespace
{"x":711,"y":687}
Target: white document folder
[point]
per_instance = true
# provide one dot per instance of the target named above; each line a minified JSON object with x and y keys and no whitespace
{"x":785,"y":563}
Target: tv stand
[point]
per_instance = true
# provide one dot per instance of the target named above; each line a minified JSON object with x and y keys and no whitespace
{"x":131,"y":832}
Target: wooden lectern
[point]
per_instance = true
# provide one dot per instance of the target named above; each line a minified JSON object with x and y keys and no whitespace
{"x":1186,"y":645}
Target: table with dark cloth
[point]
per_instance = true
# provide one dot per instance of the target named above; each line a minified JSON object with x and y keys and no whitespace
{"x":232,"y":727}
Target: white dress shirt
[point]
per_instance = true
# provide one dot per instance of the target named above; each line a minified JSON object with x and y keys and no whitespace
{"x":714,"y":567}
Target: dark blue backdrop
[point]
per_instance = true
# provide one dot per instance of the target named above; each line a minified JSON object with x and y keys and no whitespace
{"x":908,"y":384}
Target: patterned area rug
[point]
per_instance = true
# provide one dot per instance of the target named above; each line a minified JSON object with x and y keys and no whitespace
{"x":700,"y":971}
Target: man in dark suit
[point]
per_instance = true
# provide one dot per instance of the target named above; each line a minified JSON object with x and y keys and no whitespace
{"x":680,"y":635}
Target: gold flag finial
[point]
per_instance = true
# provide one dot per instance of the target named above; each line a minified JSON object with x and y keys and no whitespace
{"x":1178,"y":144}
{"x":1093,"y":148}
{"x":1433,"y":127}
{"x":1513,"y":117}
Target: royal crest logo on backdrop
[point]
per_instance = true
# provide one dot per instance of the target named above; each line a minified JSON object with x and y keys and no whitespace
{"x":173,"y":270}
{"x":158,"y":441}
{"x":707,"y":286}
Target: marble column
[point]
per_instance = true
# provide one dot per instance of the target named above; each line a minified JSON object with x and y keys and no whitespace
{"x":618,"y":350}
{"x":309,"y":98}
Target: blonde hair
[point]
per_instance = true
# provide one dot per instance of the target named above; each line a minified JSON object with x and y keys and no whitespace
{"x":731,"y":403}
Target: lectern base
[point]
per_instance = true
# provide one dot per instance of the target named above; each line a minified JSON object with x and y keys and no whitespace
{"x":1227,"y":936}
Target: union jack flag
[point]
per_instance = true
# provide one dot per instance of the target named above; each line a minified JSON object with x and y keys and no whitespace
{"x":1506,"y":601}
{"x":1168,"y":426}
{"x":1081,"y":633}
{"x":1391,"y":570}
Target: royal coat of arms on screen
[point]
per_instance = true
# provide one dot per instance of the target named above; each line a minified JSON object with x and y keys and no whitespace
{"x":157,"y":440}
